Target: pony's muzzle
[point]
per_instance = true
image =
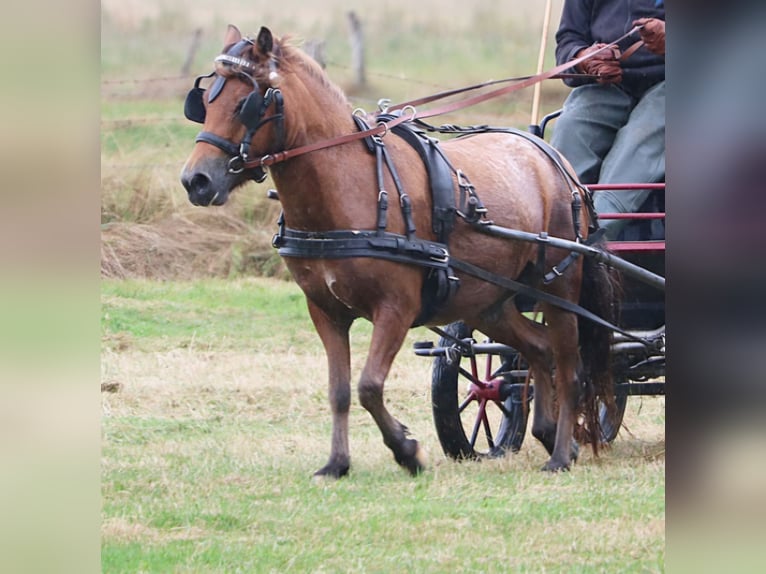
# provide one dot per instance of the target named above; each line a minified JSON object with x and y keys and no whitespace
{"x":199,"y":186}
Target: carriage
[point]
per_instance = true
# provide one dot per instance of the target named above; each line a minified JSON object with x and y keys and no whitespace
{"x":481,"y":390}
{"x":487,"y":232}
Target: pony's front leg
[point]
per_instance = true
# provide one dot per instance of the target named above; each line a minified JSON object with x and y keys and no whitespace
{"x":334,"y":335}
{"x":387,"y":338}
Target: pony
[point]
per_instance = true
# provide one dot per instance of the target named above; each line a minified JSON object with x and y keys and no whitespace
{"x":270,"y":100}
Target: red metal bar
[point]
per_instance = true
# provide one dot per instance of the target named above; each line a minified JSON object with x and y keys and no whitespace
{"x":647,"y":215}
{"x":618,"y":246}
{"x":624,"y":186}
{"x":631,"y":246}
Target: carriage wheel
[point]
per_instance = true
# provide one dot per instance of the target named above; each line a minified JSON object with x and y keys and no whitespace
{"x":470,"y":422}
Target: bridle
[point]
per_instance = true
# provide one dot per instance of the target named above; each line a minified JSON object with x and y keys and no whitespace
{"x":251,"y":110}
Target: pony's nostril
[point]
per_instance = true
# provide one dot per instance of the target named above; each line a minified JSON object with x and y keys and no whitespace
{"x":199,"y":187}
{"x":197,"y":182}
{"x":200,"y":181}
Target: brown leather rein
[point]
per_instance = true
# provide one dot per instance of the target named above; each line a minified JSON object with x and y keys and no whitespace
{"x":383,"y":127}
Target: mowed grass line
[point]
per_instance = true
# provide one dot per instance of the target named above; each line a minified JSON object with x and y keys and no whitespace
{"x":209,"y":447}
{"x":215,"y":313}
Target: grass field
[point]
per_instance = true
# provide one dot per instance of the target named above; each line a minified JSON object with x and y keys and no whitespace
{"x":221,"y":418}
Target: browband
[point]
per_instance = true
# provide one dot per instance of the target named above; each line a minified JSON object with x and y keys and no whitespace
{"x":242,"y":62}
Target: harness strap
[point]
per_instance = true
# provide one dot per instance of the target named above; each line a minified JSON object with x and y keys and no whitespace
{"x":404,"y":199}
{"x":397,"y":248}
{"x":438,"y":169}
{"x":558,"y":269}
{"x":576,"y":188}
{"x":258,"y":173}
{"x":345,"y":243}
{"x":223,"y":144}
{"x":382,"y":219}
{"x":439,"y":284}
{"x":541,"y":296}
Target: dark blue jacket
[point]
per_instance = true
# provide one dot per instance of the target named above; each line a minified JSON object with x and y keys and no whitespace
{"x":586,"y":22}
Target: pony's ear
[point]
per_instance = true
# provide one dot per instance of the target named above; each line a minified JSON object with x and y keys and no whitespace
{"x":265,"y":41}
{"x":233,"y":35}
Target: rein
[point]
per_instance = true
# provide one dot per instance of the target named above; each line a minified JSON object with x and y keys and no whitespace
{"x":382,"y":127}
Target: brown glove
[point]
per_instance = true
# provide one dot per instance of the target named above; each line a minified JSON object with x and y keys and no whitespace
{"x":605,"y":64}
{"x":653,"y":34}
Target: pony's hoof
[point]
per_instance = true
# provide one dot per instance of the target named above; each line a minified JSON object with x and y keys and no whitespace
{"x":555,"y":466}
{"x":415,"y":460}
{"x":331,"y":470}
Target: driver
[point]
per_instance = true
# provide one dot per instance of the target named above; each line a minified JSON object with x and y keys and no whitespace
{"x":612,"y":129}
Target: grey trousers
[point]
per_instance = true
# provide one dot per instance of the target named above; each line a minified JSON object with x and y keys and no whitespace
{"x":610,"y":137}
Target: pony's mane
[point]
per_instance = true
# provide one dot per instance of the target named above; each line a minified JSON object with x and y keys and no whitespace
{"x":290,"y":55}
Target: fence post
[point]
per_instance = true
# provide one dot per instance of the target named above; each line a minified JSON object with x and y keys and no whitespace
{"x":192,"y":52}
{"x":315,"y":49}
{"x":357,"y":49}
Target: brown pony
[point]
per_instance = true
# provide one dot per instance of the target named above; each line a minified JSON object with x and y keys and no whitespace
{"x":272,"y":97}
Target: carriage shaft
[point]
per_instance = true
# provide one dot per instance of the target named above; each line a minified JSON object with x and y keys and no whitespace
{"x":599,"y":255}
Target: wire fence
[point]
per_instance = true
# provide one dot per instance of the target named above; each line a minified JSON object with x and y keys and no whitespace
{"x":174,"y":86}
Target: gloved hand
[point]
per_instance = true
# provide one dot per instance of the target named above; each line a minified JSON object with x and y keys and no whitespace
{"x":605,"y":65}
{"x":653,"y":34}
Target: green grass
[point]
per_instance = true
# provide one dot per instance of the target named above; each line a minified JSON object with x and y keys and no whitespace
{"x":376,"y":524}
{"x":127,"y":127}
{"x":214,"y":314}
{"x":209,"y":447}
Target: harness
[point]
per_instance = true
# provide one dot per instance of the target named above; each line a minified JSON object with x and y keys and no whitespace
{"x":440,"y":281}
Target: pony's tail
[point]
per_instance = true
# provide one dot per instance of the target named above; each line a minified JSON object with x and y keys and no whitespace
{"x":601,"y":293}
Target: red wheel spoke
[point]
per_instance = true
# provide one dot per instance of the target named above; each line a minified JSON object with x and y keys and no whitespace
{"x":466,"y":386}
{"x":470,"y":398}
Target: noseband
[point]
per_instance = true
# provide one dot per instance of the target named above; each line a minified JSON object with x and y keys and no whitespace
{"x":251,"y":111}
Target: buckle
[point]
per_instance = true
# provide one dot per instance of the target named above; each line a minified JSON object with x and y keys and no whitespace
{"x":443,"y":258}
{"x":236,"y":165}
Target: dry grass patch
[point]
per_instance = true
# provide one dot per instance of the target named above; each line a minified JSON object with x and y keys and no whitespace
{"x":187,"y":245}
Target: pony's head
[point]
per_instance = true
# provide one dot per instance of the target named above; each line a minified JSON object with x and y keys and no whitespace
{"x":240,"y":107}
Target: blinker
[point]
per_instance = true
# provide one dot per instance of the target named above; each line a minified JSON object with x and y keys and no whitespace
{"x":216,"y":88}
{"x":252,"y":110}
{"x":194,"y":106}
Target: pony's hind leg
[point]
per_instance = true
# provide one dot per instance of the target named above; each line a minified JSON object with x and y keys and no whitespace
{"x":531,"y":340}
{"x":544,"y":415}
{"x":563,"y":335}
{"x":334,"y":336}
{"x":388,"y":335}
